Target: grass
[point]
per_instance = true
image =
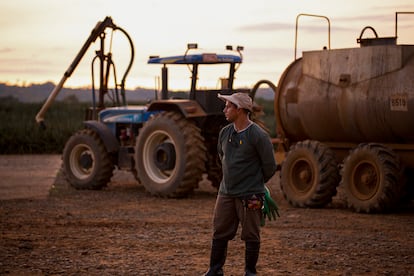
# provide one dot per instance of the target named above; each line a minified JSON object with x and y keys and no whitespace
{"x":20,"y":134}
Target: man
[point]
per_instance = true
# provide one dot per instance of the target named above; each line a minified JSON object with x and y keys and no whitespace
{"x":247,"y":159}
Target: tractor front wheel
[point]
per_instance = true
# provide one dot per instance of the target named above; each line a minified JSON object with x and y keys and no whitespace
{"x":86,"y":163}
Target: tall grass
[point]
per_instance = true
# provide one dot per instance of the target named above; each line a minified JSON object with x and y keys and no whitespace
{"x":20,"y":134}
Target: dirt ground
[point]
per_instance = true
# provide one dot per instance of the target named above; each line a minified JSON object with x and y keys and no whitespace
{"x":48,"y":228}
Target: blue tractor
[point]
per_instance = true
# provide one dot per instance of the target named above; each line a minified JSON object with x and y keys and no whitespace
{"x":167,"y":144}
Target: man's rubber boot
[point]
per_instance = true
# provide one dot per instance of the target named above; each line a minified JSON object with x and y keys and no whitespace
{"x":251,"y":257}
{"x":217,"y":257}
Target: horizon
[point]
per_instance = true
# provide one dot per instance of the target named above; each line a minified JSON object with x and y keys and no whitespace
{"x":41,"y":41}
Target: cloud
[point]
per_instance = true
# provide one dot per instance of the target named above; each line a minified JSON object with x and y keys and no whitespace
{"x":279,"y":26}
{"x":266,"y":27}
{"x":6,"y":50}
{"x":264,"y":54}
{"x":381,"y":15}
{"x":362,"y":18}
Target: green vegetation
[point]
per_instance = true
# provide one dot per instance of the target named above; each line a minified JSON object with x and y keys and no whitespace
{"x":20,"y":134}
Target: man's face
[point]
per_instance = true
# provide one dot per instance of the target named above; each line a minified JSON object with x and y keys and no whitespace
{"x":230,"y":111}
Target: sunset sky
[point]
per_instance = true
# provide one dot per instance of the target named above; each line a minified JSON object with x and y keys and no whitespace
{"x":39,"y":39}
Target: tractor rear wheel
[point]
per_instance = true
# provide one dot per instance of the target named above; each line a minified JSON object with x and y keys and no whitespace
{"x":170,"y":155}
{"x":86,"y":163}
{"x":309,"y":175}
{"x":371,"y":176}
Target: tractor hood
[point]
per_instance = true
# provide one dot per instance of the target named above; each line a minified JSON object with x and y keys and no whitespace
{"x":125,"y":114}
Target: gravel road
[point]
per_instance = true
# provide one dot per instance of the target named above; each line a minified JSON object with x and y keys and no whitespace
{"x":48,"y":228}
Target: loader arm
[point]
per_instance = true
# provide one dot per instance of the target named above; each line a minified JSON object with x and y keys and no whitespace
{"x":96,"y":32}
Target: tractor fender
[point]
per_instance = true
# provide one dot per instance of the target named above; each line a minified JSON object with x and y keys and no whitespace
{"x":108,"y":138}
{"x":188,"y":108}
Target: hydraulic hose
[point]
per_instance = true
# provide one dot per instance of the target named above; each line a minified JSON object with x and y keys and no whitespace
{"x":131,"y":61}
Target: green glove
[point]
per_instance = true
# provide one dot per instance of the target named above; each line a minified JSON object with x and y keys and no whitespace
{"x":270,"y":209}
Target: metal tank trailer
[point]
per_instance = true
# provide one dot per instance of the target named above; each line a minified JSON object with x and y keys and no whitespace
{"x":346,"y":116}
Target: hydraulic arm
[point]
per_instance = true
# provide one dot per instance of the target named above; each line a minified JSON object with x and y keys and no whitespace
{"x":97,"y":32}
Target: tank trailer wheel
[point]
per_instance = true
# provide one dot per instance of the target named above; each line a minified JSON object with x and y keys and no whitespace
{"x":371,"y":176}
{"x":86,"y":163}
{"x":170,"y":155}
{"x":309,"y":175}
